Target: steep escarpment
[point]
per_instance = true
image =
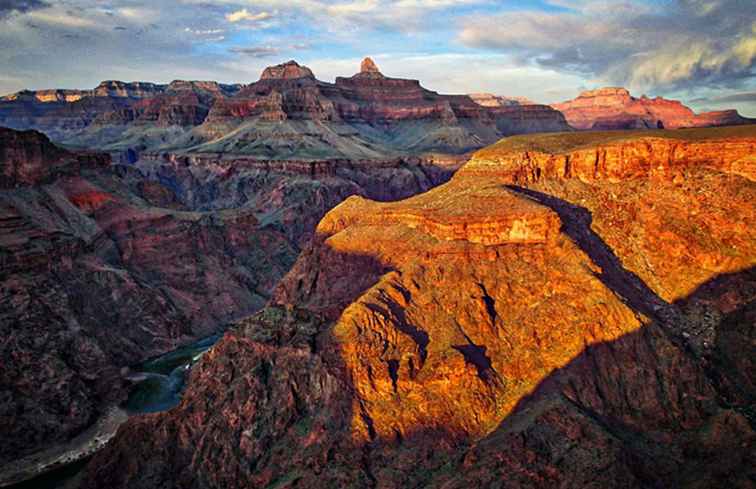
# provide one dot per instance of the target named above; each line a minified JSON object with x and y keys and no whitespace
{"x":661,"y":199}
{"x":614,"y":108}
{"x":97,"y":117}
{"x":535,"y":327}
{"x":286,"y":114}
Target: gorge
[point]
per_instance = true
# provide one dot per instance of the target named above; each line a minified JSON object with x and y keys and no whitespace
{"x":407,"y":289}
{"x":529,"y":324}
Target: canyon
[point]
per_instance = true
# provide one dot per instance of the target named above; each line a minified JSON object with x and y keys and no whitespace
{"x":569,"y":310}
{"x":614,"y":108}
{"x":412,"y":289}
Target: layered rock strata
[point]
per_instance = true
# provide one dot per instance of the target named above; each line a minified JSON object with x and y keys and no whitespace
{"x":287,"y":114}
{"x":512,"y":328}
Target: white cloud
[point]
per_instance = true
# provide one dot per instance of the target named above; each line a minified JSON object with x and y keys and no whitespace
{"x":245,"y":15}
{"x":337,"y":15}
{"x":61,"y":18}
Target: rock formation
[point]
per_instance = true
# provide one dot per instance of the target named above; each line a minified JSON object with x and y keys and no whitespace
{"x":369,"y":69}
{"x":290,"y":70}
{"x":570,"y":310}
{"x":28,"y":158}
{"x":287,"y":114}
{"x":615,"y":108}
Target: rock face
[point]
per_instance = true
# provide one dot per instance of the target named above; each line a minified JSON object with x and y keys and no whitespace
{"x":491,"y":100}
{"x":287,"y":114}
{"x":532,"y":323}
{"x":102,"y":267}
{"x":290,"y":196}
{"x":28,"y":158}
{"x":93,"y":279}
{"x":614,"y":108}
{"x":290,"y":70}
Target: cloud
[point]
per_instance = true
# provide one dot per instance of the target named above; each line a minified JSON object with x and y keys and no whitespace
{"x":338,"y":15}
{"x":244,"y":15}
{"x":61,"y":18}
{"x":546,"y":50}
{"x":257,"y":51}
{"x":8,"y":7}
{"x":268,"y":51}
{"x":662,"y":46}
{"x":729,"y":98}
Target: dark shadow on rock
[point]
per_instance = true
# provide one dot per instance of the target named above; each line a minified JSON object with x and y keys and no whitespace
{"x":576,"y":223}
{"x":722,"y":313}
{"x":640,"y":411}
{"x":274,"y":407}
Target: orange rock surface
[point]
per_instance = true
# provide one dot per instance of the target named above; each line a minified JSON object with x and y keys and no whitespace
{"x":568,"y":311}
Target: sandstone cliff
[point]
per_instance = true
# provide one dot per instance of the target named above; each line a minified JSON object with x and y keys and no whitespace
{"x":491,"y":100}
{"x":568,"y":311}
{"x":615,"y":108}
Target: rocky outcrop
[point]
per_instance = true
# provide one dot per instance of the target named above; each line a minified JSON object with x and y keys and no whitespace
{"x":291,"y":70}
{"x":119,"y":89}
{"x":425,"y":343}
{"x":369,"y":69}
{"x":614,"y":108}
{"x":46,"y":96}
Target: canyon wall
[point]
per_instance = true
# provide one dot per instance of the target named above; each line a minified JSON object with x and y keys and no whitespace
{"x":104,"y":266}
{"x":530,"y":323}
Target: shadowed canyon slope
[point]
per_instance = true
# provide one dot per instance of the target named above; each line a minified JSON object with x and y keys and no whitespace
{"x":287,"y":114}
{"x":570,"y":310}
{"x":614,"y":108}
{"x":104,"y":266}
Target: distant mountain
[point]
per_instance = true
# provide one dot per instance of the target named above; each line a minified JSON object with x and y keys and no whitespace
{"x":287,"y":114}
{"x":615,"y":108}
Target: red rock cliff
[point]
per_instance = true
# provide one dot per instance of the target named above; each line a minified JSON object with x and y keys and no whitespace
{"x":615,"y":108}
{"x":559,"y":330}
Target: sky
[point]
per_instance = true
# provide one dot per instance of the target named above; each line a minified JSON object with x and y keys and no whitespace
{"x":700,"y":51}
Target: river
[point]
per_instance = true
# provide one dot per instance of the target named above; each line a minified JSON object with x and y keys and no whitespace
{"x":159,"y":385}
